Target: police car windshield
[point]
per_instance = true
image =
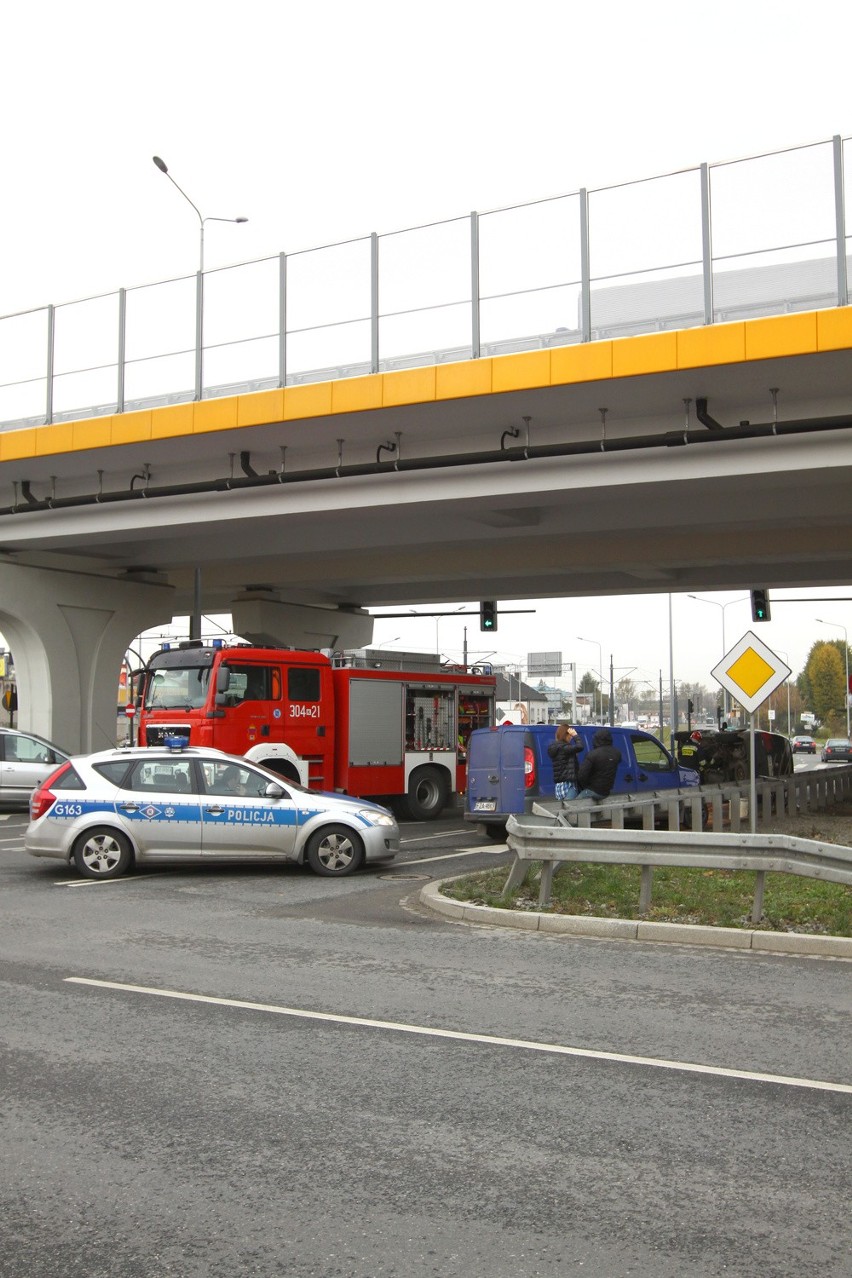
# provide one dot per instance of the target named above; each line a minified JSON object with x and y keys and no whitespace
{"x":177,"y":688}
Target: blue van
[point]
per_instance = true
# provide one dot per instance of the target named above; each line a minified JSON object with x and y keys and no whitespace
{"x":509,"y":769}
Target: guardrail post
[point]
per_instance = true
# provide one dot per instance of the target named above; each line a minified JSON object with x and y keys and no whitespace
{"x":759,"y":885}
{"x":546,"y":885}
{"x":122,"y":349}
{"x":645,"y":888}
{"x":840,"y":222}
{"x":585,"y":270}
{"x":517,"y":874}
{"x":374,"y":302}
{"x":706,"y":244}
{"x":282,"y":319}
{"x":51,"y":334}
{"x":475,"y":332}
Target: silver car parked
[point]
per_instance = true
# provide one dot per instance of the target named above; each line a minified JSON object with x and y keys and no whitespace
{"x":106,"y":812}
{"x":25,"y":761}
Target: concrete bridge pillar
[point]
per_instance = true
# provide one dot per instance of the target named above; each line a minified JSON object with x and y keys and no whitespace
{"x":68,"y":632}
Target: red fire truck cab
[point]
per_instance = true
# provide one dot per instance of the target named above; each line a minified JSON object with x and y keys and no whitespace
{"x":359,"y":723}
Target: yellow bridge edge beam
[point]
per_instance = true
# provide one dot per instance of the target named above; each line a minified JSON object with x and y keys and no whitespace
{"x":812,"y":332}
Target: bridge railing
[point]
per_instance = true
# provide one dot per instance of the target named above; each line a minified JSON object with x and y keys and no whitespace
{"x":759,"y":236}
{"x":556,"y":834}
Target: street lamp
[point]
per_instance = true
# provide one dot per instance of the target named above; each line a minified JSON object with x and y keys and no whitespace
{"x":723,"y":606}
{"x":600,"y":668}
{"x":846,"y":653}
{"x":438,"y":617}
{"x":199,"y":303}
{"x":787,"y":681}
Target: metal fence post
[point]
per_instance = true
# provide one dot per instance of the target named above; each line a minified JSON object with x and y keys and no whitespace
{"x":374,"y":302}
{"x":199,"y":335}
{"x":122,"y":349}
{"x":706,"y":244}
{"x":474,"y":286}
{"x":51,"y":334}
{"x":282,"y":319}
{"x":585,"y":270}
{"x":840,"y":221}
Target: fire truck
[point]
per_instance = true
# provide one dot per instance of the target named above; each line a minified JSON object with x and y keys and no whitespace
{"x":369,"y":723}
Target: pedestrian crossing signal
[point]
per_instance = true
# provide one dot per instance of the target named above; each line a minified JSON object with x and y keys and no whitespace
{"x":488,"y":615}
{"x":760,"y":605}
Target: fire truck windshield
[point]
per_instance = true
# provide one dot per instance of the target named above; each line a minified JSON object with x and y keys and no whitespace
{"x":183,"y":688}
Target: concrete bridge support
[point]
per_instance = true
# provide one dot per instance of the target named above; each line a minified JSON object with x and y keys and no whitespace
{"x":68,"y":632}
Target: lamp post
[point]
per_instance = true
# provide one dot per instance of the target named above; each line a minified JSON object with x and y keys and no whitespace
{"x":199,"y":295}
{"x":787,"y":681}
{"x":600,"y":668}
{"x":723,"y":606}
{"x":438,"y":616}
{"x":846,"y":654}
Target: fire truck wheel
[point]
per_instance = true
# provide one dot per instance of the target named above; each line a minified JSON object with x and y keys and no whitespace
{"x":335,"y":851}
{"x":102,"y":853}
{"x":428,"y":791}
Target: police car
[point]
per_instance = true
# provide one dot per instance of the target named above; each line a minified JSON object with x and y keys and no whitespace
{"x":105,"y":812}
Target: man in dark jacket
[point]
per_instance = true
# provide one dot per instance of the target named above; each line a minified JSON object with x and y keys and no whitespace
{"x":598,"y":769}
{"x":563,"y":751}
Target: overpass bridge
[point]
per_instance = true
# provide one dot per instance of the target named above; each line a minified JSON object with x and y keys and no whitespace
{"x":695,"y":456}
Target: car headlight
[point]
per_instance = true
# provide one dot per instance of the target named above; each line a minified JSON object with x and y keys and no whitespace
{"x":376,"y":818}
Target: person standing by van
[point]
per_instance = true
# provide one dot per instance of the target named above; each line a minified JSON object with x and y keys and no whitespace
{"x":598,"y":769}
{"x":564,"y":751}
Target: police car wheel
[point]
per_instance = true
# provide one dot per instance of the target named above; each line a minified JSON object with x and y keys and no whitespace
{"x":102,"y":854}
{"x":335,"y":851}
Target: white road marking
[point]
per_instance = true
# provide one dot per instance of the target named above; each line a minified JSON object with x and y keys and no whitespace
{"x":490,"y":1040}
{"x":427,"y":838}
{"x":131,"y":878}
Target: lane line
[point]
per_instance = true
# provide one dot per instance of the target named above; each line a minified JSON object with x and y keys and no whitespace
{"x":427,"y":838}
{"x":490,"y":1040}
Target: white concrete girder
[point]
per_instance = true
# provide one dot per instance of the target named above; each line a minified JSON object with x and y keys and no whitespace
{"x":68,"y":633}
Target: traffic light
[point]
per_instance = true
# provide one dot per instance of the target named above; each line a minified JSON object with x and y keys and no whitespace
{"x":690,"y":706}
{"x":760,"y":605}
{"x":488,"y":615}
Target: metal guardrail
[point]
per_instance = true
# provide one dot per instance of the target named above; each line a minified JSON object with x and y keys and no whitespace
{"x":555,"y":834}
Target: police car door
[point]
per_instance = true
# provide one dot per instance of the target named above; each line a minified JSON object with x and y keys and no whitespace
{"x":158,"y":802}
{"x":239,"y":818}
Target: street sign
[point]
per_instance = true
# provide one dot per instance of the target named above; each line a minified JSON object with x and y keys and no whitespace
{"x":130,"y":711}
{"x":750,"y":671}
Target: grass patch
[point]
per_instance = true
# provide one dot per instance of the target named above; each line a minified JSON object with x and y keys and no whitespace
{"x":717,"y":898}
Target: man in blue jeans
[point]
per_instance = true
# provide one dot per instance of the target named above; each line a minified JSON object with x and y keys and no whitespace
{"x":598,"y":769}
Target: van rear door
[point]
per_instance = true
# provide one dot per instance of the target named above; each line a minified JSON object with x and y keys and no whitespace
{"x":495,"y":772}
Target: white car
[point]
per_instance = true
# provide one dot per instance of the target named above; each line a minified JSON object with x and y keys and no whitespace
{"x":105,"y":812}
{"x":25,"y":761}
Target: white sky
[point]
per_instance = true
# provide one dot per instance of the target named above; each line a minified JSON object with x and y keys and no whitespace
{"x":325,"y":121}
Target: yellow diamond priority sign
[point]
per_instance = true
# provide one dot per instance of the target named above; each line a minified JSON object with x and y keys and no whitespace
{"x":750,"y":672}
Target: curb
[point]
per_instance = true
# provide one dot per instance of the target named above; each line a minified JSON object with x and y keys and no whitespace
{"x":630,"y":930}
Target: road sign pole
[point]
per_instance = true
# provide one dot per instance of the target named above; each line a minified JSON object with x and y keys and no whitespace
{"x":752,"y":779}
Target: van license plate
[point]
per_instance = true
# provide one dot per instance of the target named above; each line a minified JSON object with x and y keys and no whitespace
{"x":485,"y":805}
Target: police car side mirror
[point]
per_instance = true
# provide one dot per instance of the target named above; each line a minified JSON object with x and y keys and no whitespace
{"x":274,"y":791}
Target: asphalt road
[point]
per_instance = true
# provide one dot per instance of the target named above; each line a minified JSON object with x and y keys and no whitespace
{"x":268,"y":1073}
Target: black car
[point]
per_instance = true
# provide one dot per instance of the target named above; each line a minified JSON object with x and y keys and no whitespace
{"x":837,"y":750}
{"x":803,"y":745}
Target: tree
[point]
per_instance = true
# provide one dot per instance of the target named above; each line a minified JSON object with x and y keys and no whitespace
{"x":826,"y":679}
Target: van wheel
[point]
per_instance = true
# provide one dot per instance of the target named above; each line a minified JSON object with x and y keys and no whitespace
{"x":102,"y":854}
{"x":428,"y":791}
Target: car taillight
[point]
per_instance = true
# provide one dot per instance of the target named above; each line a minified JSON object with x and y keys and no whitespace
{"x":42,"y":798}
{"x":529,"y":768}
